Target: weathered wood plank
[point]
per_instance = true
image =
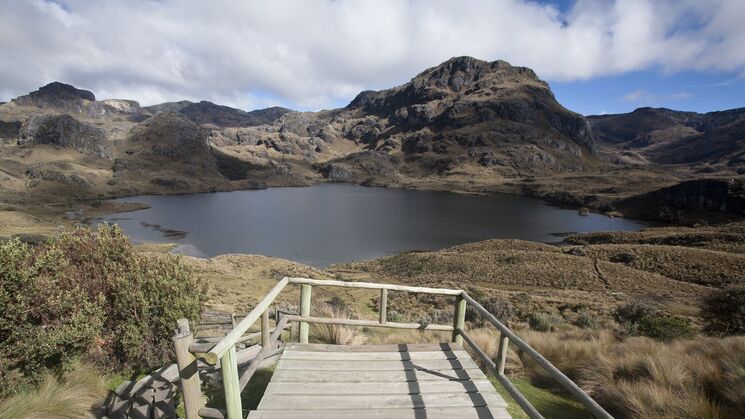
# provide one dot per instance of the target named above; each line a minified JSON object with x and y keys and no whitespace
{"x":415,"y":347}
{"x":429,"y":413}
{"x":362,"y":365}
{"x":376,"y":356}
{"x":447,"y":374}
{"x":371,"y":388}
{"x":369,"y":285}
{"x":385,"y":401}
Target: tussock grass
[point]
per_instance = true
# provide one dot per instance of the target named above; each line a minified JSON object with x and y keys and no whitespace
{"x":335,"y":334}
{"x":641,"y":377}
{"x":77,"y":394}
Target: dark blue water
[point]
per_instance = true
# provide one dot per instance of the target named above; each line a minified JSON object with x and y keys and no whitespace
{"x":330,"y":223}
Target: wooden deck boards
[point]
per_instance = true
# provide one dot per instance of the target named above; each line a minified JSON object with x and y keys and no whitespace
{"x":380,"y":382}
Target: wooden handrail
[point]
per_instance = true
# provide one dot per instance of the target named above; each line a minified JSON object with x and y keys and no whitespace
{"x":554,"y":372}
{"x":372,"y":323}
{"x":370,"y":285}
{"x":232,"y":338}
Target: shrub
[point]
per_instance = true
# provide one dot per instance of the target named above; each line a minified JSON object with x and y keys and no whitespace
{"x":641,"y":318}
{"x":625,"y":258}
{"x":541,"y":322}
{"x":438,"y":316}
{"x":394,"y":316}
{"x":634,"y":311}
{"x":501,"y":308}
{"x":724,"y":311}
{"x":586,"y":320}
{"x":88,"y":294}
{"x":662,"y":327}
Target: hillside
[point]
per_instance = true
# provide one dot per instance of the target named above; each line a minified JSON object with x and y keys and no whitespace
{"x":714,"y":139}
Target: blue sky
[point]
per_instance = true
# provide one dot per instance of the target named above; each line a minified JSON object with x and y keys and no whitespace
{"x":598,"y":55}
{"x":697,"y":91}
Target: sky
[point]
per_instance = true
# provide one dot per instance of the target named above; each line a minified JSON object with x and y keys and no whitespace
{"x":599,"y":56}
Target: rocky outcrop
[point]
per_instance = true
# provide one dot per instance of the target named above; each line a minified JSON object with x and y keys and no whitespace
{"x":55,"y":95}
{"x":173,"y":136}
{"x":224,"y":116}
{"x":363,"y":167}
{"x":65,"y":131}
{"x":10,"y":129}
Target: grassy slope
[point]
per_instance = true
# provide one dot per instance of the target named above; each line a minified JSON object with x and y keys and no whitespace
{"x":550,"y":405}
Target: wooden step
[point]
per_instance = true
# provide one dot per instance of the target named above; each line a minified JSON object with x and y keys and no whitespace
{"x":428,"y":413}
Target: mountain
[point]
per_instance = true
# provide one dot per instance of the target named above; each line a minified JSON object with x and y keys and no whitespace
{"x":464,"y":116}
{"x":665,"y":136}
{"x":464,"y":125}
{"x":204,"y":112}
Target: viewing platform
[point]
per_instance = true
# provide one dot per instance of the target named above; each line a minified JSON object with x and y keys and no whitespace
{"x":314,"y":380}
{"x":379,"y":381}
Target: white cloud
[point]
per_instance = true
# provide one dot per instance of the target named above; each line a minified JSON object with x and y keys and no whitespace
{"x":318,"y":53}
{"x":647,"y":98}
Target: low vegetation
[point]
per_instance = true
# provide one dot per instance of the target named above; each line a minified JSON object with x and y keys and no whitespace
{"x":81,"y":389}
{"x":724,"y":311}
{"x":335,"y":334}
{"x":88,"y":295}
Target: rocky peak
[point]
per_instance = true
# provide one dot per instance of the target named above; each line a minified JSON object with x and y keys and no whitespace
{"x":455,"y":79}
{"x":54,"y":94}
{"x":458,"y":73}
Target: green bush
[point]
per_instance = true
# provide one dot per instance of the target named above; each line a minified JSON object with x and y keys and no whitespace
{"x":625,"y":258}
{"x":586,"y":320}
{"x":542,"y":322}
{"x":88,"y":294}
{"x":642,"y":318}
{"x":662,"y":327}
{"x":501,"y":308}
{"x":633,"y":311}
{"x":724,"y":311}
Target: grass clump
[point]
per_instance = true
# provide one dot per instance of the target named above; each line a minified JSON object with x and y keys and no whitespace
{"x":88,"y":295}
{"x":335,"y":334}
{"x":78,"y":390}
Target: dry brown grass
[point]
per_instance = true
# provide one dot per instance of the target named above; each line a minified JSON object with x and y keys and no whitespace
{"x":640,"y":377}
{"x":335,"y":334}
{"x":701,"y":266}
{"x":77,"y":395}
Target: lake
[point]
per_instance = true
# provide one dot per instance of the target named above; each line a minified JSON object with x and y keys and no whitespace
{"x":330,"y":223}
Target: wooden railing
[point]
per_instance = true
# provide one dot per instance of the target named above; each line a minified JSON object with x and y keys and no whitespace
{"x":224,"y":351}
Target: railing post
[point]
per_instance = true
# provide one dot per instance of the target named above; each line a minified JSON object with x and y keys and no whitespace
{"x":459,"y":318}
{"x":305,"y":291}
{"x":504,"y":341}
{"x":383,"y":306}
{"x":187,"y":369}
{"x":265,"y":329}
{"x":229,"y":367}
